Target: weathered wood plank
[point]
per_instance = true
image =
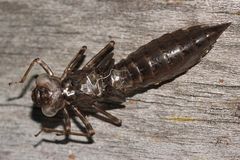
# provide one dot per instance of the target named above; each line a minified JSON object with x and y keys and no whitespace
{"x":192,"y":117}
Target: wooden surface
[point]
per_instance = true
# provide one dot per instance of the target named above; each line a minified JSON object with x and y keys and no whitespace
{"x":194,"y":117}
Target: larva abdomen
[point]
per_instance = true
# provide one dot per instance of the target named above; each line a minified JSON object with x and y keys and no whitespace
{"x":166,"y":57}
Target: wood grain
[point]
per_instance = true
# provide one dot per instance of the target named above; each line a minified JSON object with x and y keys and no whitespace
{"x":193,"y":117}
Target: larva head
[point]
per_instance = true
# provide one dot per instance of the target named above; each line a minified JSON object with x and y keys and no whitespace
{"x":48,"y":95}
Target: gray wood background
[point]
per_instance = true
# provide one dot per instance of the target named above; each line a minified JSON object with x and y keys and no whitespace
{"x":193,"y":117}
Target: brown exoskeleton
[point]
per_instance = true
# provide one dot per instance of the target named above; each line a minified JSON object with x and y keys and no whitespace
{"x":101,"y":82}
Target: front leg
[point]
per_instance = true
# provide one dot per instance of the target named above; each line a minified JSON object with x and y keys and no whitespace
{"x":35,"y":61}
{"x":60,"y":132}
{"x":67,"y":122}
{"x":67,"y":128}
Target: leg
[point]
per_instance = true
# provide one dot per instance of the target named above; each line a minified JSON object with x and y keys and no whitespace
{"x":111,"y":118}
{"x":98,"y":58}
{"x":67,"y":127}
{"x":75,"y":62}
{"x":60,"y":132}
{"x":24,"y":90}
{"x":35,"y":61}
{"x":106,"y":64}
{"x":67,"y":122}
{"x":89,"y":129}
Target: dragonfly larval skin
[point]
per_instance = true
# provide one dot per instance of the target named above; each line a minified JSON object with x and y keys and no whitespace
{"x":102,"y":82}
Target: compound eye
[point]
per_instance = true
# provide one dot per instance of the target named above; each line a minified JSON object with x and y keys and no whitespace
{"x":44,"y":94}
{"x":41,"y":96}
{"x":36,"y":96}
